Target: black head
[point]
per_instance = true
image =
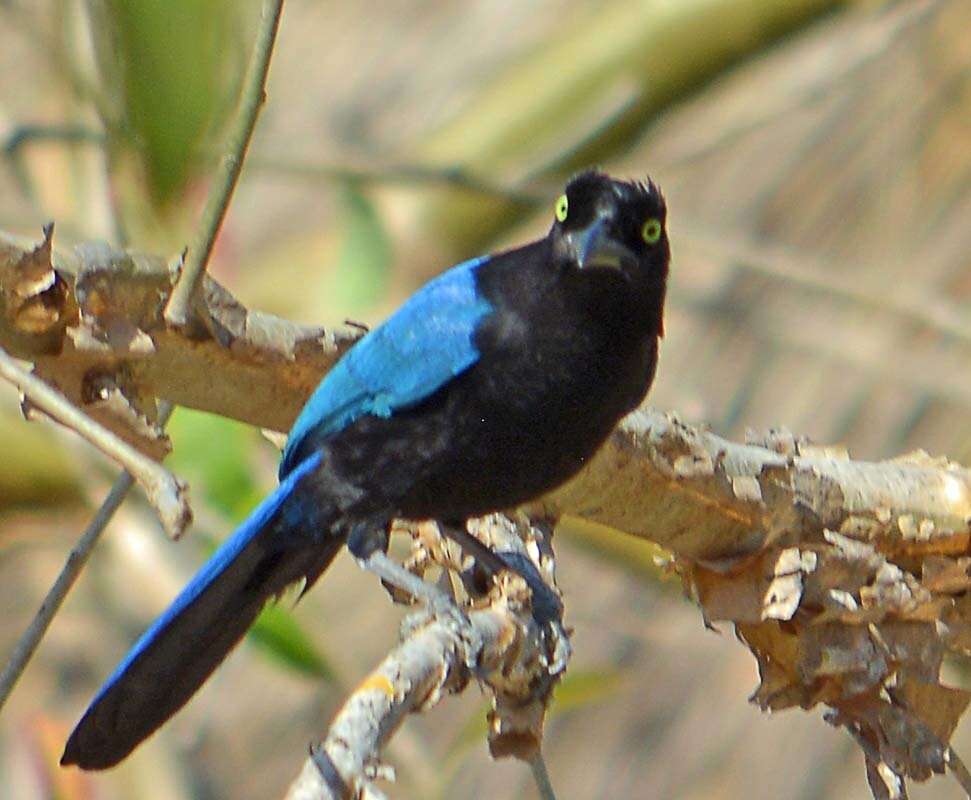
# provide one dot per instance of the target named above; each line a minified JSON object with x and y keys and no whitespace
{"x":611,"y":234}
{"x":602,"y":223}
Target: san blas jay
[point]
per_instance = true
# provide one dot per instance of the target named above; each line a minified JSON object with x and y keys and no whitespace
{"x":491,"y":385}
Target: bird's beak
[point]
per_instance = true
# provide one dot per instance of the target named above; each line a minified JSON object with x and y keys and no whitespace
{"x":593,"y":247}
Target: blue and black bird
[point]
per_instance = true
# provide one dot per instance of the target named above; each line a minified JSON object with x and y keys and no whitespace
{"x":491,"y":385}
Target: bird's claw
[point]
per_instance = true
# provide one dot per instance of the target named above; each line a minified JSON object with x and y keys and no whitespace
{"x":547,"y":607}
{"x":436,"y":602}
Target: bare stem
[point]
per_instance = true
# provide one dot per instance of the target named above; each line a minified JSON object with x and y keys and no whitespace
{"x":958,"y":769}
{"x":165,"y":492}
{"x":30,"y":639}
{"x":251,"y":100}
{"x":442,"y":649}
{"x":542,"y":777}
{"x":407,"y":173}
{"x":457,"y":177}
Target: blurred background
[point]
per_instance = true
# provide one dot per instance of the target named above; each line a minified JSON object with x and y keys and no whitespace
{"x":816,"y":157}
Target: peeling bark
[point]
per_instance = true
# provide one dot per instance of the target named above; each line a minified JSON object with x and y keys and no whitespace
{"x":91,"y":322}
{"x":848,"y":580}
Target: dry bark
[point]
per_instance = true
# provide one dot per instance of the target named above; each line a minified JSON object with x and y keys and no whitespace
{"x":848,"y":580}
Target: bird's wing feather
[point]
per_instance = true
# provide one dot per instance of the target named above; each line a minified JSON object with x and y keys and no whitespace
{"x":426,"y":343}
{"x":186,"y":643}
{"x":226,"y":555}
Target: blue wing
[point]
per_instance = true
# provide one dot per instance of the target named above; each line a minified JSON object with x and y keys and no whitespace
{"x":225,"y":557}
{"x":287,"y":538}
{"x":426,"y":343}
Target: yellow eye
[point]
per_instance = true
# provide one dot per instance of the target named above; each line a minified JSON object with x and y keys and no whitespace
{"x":561,"y":208}
{"x":651,"y":230}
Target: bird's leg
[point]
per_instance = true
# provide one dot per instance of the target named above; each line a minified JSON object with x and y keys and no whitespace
{"x":485,"y":557}
{"x":368,"y":543}
{"x":546,"y":604}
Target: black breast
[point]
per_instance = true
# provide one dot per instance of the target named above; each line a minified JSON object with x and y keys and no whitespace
{"x":561,"y":361}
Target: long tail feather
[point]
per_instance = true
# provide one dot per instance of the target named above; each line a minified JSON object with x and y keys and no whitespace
{"x":180,"y":650}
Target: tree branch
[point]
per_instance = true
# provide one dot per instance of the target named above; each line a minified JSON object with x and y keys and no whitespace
{"x":817,"y":559}
{"x":709,"y":499}
{"x":91,"y":321}
{"x":251,"y":101}
{"x":164,"y":491}
{"x":47,"y":312}
{"x":95,"y":320}
{"x":497,"y":641}
{"x":27,"y":644}
{"x":76,"y":560}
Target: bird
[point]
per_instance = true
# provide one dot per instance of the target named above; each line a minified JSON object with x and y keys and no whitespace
{"x":491,"y":385}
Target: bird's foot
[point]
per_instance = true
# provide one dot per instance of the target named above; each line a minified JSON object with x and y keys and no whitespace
{"x":547,"y":607}
{"x":367,"y":549}
{"x":392,"y":573}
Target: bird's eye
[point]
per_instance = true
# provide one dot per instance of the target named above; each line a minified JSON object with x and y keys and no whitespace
{"x":651,"y":231}
{"x":561,"y":208}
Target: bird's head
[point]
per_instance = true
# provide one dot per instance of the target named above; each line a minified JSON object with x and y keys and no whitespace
{"x":616,"y":226}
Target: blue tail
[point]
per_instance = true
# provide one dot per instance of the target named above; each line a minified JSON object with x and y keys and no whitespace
{"x":182,"y":647}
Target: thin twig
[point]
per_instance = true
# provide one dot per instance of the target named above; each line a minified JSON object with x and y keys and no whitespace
{"x":29,"y":133}
{"x":905,"y":301}
{"x":251,"y":100}
{"x":165,"y":492}
{"x":432,"y":661}
{"x":457,"y":177}
{"x":862,"y":742}
{"x":402,"y":173}
{"x":441,"y":650}
{"x":958,"y":769}
{"x":874,"y":759}
{"x":542,"y":777}
{"x":76,"y":559}
{"x":158,"y":483}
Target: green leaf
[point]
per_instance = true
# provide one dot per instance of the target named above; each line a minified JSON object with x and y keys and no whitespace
{"x":361,"y":275}
{"x":577,"y":690}
{"x":583,"y":688}
{"x":280,"y":636}
{"x":637,"y":556}
{"x":215,"y":455}
{"x":174,"y":66}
